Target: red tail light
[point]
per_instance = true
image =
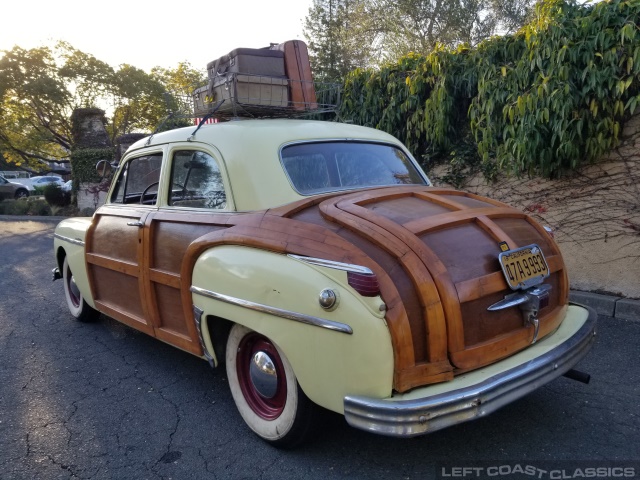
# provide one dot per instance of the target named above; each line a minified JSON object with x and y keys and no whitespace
{"x":363,"y":283}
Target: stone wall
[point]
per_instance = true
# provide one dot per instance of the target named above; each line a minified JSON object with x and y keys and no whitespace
{"x":595,"y":214}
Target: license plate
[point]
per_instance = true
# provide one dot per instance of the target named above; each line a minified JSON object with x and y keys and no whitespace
{"x":524,"y":267}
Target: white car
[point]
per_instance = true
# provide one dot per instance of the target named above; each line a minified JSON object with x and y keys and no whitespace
{"x":46,"y":180}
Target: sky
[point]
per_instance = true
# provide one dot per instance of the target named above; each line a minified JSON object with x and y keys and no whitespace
{"x":146,"y":34}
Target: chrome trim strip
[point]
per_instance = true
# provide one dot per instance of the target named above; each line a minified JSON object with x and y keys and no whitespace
{"x":407,"y":418}
{"x":347,"y":267}
{"x":75,"y":241}
{"x":278,"y":312}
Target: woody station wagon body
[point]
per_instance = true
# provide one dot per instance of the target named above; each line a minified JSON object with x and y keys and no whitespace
{"x":316,"y":261}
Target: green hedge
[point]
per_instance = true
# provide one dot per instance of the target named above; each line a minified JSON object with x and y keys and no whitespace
{"x":543,"y":101}
{"x":83,"y":164}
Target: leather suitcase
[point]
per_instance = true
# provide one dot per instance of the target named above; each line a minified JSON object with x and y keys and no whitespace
{"x":251,"y":61}
{"x":202,"y":101}
{"x":249,"y":91}
{"x":298,"y":69}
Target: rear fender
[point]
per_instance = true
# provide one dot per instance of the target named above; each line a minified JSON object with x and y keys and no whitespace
{"x":273,"y":294}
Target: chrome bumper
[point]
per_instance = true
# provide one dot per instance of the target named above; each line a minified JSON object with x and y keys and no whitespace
{"x":402,"y":417}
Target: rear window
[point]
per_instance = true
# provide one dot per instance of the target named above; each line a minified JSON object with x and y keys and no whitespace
{"x":328,"y":166}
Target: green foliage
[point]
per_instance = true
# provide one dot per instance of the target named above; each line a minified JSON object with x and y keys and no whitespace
{"x":54,"y":195}
{"x":340,"y":35}
{"x":41,"y":87}
{"x":27,"y":206}
{"x":83,"y":164}
{"x":542,"y":101}
{"x":348,"y":34}
{"x":38,"y":190}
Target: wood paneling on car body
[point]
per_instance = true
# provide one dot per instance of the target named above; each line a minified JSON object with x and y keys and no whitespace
{"x":434,"y":251}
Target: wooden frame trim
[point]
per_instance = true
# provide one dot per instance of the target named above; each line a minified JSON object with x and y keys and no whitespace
{"x":131,"y":320}
{"x":120,"y":266}
{"x":413,"y":257}
{"x":277,"y":234}
{"x":495,"y":349}
{"x":476,"y":288}
{"x":451,"y":219}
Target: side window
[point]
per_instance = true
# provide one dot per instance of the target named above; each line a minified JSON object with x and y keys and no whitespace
{"x":138,"y":181}
{"x":196,"y":181}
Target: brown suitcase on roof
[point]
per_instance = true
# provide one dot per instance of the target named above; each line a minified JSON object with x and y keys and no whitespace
{"x":250,"y":61}
{"x":298,"y":69}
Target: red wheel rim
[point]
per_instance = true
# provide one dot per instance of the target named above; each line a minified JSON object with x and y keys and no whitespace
{"x":266,"y":408}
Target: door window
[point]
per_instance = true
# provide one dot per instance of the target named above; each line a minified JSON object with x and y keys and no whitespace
{"x":138,"y":181}
{"x":196,"y":181}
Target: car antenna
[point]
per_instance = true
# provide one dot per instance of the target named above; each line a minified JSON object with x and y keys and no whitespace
{"x":205,"y":118}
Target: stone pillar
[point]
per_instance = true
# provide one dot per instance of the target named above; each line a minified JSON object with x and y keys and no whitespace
{"x":88,"y":128}
{"x":89,"y":132}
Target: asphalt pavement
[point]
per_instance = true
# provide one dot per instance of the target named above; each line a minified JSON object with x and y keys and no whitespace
{"x":103,"y":401}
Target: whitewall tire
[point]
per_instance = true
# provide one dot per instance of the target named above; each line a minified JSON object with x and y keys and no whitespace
{"x":77,"y":306}
{"x":265,"y":389}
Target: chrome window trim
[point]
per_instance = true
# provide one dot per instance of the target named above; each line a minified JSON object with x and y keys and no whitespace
{"x":74,"y":241}
{"x":347,"y":267}
{"x":278,"y":312}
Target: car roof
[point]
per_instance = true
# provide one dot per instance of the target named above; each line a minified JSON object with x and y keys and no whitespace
{"x":250,"y":150}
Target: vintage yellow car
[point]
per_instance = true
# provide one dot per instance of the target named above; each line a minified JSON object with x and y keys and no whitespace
{"x":319,"y":265}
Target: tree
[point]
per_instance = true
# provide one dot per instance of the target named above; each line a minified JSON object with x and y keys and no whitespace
{"x":348,"y":34}
{"x":179,"y":83}
{"x":41,"y":87}
{"x":341,"y":37}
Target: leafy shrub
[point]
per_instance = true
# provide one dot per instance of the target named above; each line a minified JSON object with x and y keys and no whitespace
{"x":542,"y":101}
{"x":20,"y":207}
{"x":38,"y":206}
{"x":54,"y":195}
{"x":84,"y":160}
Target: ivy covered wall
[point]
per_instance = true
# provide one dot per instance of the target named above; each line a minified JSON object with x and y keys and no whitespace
{"x":544,"y":101}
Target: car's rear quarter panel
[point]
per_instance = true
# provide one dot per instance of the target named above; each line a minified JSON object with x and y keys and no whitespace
{"x":328,"y":364}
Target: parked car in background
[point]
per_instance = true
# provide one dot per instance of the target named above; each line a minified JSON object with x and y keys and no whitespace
{"x":318,"y":263}
{"x":66,"y":187}
{"x":41,"y":182}
{"x":12,"y":189}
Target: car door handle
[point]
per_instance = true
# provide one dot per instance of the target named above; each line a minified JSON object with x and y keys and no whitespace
{"x":136,"y":224}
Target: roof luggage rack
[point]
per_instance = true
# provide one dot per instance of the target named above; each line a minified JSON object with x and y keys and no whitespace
{"x":262,"y":96}
{"x":273,"y":82}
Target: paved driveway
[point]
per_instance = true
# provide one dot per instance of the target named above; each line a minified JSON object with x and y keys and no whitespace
{"x":103,"y":401}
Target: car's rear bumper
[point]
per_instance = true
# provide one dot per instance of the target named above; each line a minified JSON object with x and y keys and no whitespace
{"x":480,"y":392}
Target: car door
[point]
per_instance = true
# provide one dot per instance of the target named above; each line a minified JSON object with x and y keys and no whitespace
{"x":6,"y":190}
{"x":194,"y":202}
{"x":115,"y":242}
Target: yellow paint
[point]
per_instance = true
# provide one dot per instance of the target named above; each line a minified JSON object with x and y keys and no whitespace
{"x":328,"y":364}
{"x":250,"y":151}
{"x":75,"y":228}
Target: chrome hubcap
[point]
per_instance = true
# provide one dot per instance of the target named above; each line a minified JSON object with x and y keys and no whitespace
{"x":262,"y":371}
